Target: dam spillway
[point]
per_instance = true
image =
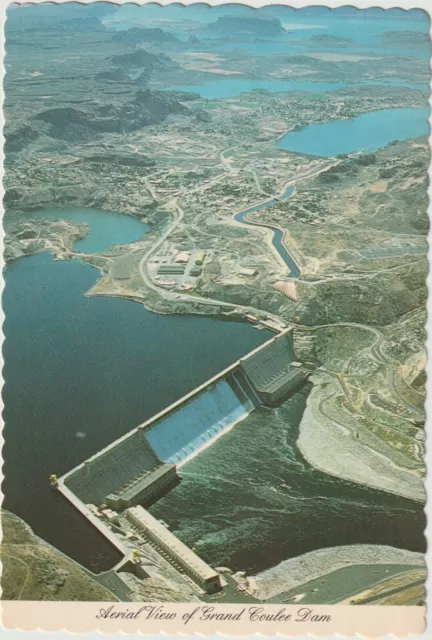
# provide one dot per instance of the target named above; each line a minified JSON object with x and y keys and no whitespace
{"x":187,"y":428}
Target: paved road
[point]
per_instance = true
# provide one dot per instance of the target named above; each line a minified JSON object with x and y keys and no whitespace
{"x":391,"y":592}
{"x":341,"y":584}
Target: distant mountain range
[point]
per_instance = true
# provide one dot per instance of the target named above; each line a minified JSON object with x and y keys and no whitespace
{"x":138,"y":35}
{"x":413,"y":38}
{"x":239,"y":25}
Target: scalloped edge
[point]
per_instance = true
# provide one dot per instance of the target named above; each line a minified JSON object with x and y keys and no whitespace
{"x":25,"y":607}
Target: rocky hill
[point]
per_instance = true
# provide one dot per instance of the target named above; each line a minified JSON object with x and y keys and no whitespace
{"x":33,"y":570}
{"x":154,"y":36}
{"x":143,"y":59}
{"x":74,"y":125}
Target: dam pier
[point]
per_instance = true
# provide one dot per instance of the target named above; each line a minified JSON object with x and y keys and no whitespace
{"x":113,"y":487}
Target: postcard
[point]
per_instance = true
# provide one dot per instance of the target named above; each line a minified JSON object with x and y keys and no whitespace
{"x":215,"y":260}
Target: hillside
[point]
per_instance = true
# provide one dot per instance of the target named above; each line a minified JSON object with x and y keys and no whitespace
{"x":33,"y":570}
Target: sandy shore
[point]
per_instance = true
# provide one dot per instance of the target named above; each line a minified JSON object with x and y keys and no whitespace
{"x":329,"y":448}
{"x":292,"y":573}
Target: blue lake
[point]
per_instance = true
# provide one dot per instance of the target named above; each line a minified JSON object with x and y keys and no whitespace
{"x":230,"y":88}
{"x":262,"y":47}
{"x":368,"y":132}
{"x":106,"y":228}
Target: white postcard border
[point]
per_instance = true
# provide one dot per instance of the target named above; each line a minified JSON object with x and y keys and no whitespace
{"x":80,"y":617}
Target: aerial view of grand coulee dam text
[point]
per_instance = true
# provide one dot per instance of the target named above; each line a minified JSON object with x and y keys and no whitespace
{"x":215,"y":299}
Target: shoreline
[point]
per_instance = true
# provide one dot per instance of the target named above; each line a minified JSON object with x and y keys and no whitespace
{"x":327,"y":450}
{"x":296,"y":571}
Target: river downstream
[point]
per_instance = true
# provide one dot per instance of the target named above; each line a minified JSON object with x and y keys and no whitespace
{"x":251,"y":500}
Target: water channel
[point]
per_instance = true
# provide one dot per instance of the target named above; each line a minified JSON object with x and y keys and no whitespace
{"x":278,"y":234}
{"x":251,"y":500}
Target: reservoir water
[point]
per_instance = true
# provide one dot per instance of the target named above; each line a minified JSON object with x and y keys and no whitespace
{"x":367,"y":132}
{"x":104,"y":227}
{"x":228,"y":88}
{"x":232,"y":86}
{"x":82,"y":371}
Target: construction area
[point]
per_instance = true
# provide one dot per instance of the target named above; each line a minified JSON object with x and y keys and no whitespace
{"x":177,"y":268}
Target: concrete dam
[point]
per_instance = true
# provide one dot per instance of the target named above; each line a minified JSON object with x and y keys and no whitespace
{"x":141,"y":467}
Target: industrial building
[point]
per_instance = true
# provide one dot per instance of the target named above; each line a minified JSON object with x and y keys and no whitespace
{"x":182,"y":266}
{"x":248,"y":271}
{"x":179,"y":554}
{"x":199,"y":257}
{"x":171,"y":269}
{"x":182,"y":257}
{"x":145,"y":488}
{"x":195,"y":271}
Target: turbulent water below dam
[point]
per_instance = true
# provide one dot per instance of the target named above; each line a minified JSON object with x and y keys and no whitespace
{"x":251,"y":500}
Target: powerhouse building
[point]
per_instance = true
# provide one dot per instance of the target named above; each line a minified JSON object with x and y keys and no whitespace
{"x":168,"y":544}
